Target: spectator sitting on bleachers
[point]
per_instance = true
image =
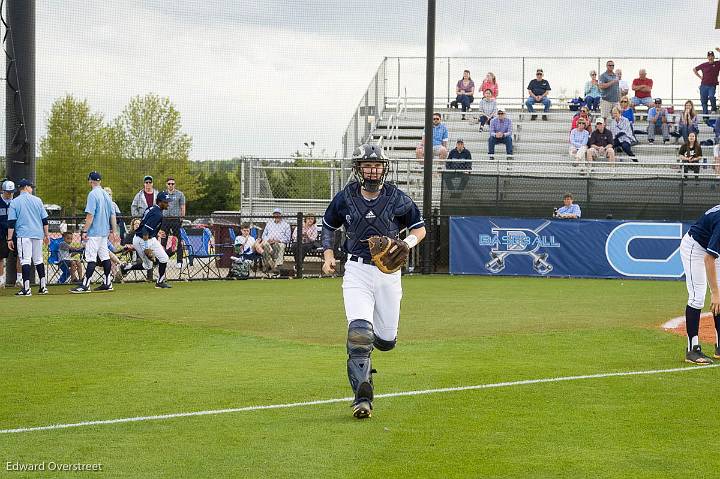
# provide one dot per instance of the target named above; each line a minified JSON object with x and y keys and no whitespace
{"x":592,"y":92}
{"x":309,"y":233}
{"x":579,"y":137}
{"x":583,"y":114}
{"x":626,"y":111}
{"x":440,"y":138}
{"x":690,"y":154}
{"x":538,"y":91}
{"x":465,"y":89}
{"x":462,"y":168}
{"x":568,"y":210}
{"x":500,"y":132}
{"x":622,"y":84}
{"x":688,"y":121}
{"x":245,"y":245}
{"x":610,"y":90}
{"x":658,"y":118}
{"x":642,"y":86}
{"x":600,"y":143}
{"x":275,"y":238}
{"x":488,"y":109}
{"x":489,"y":84}
{"x":622,"y":132}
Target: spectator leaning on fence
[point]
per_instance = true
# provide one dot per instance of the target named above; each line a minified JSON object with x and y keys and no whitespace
{"x":622,"y":132}
{"x":440,"y":138}
{"x":658,"y":118}
{"x":538,"y":91}
{"x":600,"y":143}
{"x":642,"y":86}
{"x":488,"y":109}
{"x":688,"y":121}
{"x":275,"y":238}
{"x":489,"y":83}
{"x":500,"y":132}
{"x":568,"y":210}
{"x":592,"y":92}
{"x":610,"y":90}
{"x":708,"y":81}
{"x":464,"y":91}
{"x":579,"y":137}
{"x":144,"y":199}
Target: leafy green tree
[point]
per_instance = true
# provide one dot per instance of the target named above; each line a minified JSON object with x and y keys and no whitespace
{"x":73,"y":146}
{"x":216,"y":194}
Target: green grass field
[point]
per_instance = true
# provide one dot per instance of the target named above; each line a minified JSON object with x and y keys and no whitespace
{"x":213,"y":345}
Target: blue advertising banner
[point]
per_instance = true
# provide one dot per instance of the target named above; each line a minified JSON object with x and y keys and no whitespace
{"x":582,"y":248}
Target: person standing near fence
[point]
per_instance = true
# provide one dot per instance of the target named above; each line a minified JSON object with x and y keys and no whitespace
{"x":173,"y":217}
{"x":27,"y":217}
{"x":708,"y":81}
{"x":99,"y":219}
{"x":144,"y":198}
{"x":275,"y":238}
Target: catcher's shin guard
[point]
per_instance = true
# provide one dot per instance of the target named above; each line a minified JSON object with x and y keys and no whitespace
{"x":359,"y":368}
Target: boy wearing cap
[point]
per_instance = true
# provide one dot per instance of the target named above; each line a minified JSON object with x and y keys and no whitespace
{"x":708,"y":80}
{"x":145,"y":198}
{"x":27,"y":217}
{"x":146,"y":238}
{"x":99,"y":216}
{"x":276,"y":236}
{"x":8,"y":188}
{"x":658,"y":118}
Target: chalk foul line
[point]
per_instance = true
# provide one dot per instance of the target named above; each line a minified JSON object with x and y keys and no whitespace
{"x":213,"y":412}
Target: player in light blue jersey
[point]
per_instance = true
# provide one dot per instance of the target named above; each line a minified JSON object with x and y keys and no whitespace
{"x":27,"y":219}
{"x":99,"y":217}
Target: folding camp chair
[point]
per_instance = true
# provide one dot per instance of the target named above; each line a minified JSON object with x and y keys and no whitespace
{"x":201,"y":252}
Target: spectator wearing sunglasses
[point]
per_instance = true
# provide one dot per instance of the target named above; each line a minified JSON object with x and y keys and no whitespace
{"x":610,"y":90}
{"x":173,"y":216}
{"x":144,"y":198}
{"x":592,"y":92}
{"x":626,"y":111}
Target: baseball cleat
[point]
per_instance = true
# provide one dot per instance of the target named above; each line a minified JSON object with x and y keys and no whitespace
{"x":362,"y":409}
{"x":43,"y":291}
{"x":102,"y":288}
{"x":696,"y":356}
{"x":24,"y":292}
{"x":162,"y":285}
{"x":80,"y":289}
{"x":717,"y":352}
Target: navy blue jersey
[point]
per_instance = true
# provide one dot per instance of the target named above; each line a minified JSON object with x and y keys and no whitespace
{"x":4,"y":208}
{"x":387,"y":215}
{"x":706,"y":231}
{"x":150,"y":223}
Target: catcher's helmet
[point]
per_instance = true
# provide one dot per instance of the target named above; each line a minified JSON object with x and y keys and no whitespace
{"x":370,"y":153}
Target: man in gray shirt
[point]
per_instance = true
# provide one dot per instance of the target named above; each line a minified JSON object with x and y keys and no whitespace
{"x":173,"y":217}
{"x":609,"y":84}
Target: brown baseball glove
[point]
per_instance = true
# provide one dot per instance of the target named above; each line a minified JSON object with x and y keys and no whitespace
{"x":388,"y":254}
{"x":149,"y":253}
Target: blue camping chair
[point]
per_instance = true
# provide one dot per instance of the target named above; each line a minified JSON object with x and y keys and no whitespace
{"x":62,"y":268}
{"x":201,"y":253}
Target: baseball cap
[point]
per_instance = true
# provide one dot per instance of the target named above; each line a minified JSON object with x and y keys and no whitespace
{"x":711,"y":53}
{"x":460,"y":140}
{"x":162,"y":196}
{"x":94,"y":176}
{"x":500,"y":110}
{"x":599,"y":121}
{"x":148,"y":178}
{"x":8,"y":186}
{"x":24,"y":182}
{"x":277,"y":210}
{"x":658,"y":101}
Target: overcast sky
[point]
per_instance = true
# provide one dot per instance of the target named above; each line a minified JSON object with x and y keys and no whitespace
{"x":261,"y":78}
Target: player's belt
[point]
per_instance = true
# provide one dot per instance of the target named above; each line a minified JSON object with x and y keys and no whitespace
{"x":358,"y":259}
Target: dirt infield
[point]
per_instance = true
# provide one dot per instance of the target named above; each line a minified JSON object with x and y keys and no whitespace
{"x":707,"y":327}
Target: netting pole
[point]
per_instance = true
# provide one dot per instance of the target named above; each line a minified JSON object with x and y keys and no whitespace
{"x":429,"y":103}
{"x":299,"y":246}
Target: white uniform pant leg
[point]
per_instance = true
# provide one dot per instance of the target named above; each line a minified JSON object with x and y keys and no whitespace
{"x":388,"y":294}
{"x":693,"y":260}
{"x":96,"y":248}
{"x":141,"y":245}
{"x":358,"y":293}
{"x":30,"y":251}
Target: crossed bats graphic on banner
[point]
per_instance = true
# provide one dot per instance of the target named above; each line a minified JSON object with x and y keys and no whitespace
{"x":539,"y":260}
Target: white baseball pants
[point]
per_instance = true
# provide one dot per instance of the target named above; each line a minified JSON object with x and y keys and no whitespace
{"x":30,"y":250}
{"x":693,"y":260}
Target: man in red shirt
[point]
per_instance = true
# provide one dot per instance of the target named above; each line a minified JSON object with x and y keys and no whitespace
{"x":642,"y":86}
{"x":708,"y":81}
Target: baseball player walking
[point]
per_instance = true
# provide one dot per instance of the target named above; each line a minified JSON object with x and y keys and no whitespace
{"x":699,"y":251}
{"x":99,"y":217}
{"x":370,"y":209}
{"x":27,"y":219}
{"x":146,"y":243}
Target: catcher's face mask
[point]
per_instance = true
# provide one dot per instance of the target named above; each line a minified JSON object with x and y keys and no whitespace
{"x":371,"y":174}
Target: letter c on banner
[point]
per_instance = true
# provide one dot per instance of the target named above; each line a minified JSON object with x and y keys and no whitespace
{"x":617,"y":250}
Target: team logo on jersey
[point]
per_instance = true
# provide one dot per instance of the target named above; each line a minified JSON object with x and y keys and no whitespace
{"x":370,"y":215}
{"x":520,"y":241}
